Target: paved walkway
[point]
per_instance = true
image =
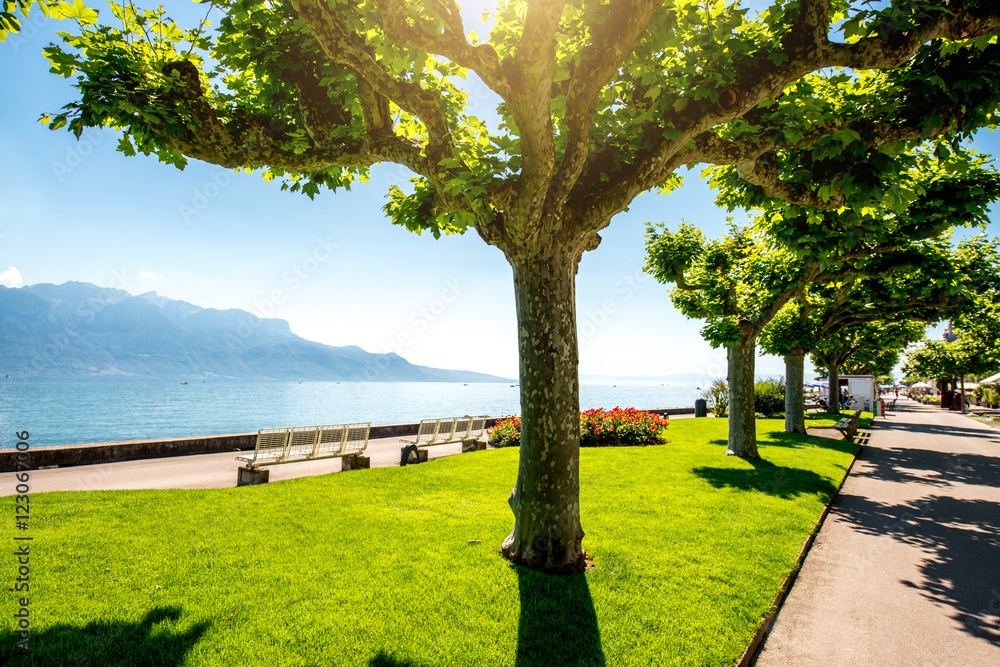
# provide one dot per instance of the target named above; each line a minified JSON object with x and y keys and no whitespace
{"x":200,"y":471}
{"x":906,"y":569}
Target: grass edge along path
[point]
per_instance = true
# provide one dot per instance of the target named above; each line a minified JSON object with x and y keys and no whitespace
{"x":767,"y":623}
{"x":400,"y":566}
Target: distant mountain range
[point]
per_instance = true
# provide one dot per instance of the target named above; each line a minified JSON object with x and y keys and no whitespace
{"x":78,"y":329}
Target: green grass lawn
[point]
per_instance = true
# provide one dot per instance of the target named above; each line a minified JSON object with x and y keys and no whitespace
{"x":401,"y":566}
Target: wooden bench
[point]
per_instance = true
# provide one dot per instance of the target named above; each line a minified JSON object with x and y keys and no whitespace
{"x":467,"y":430}
{"x":849,"y":425}
{"x":305,"y":443}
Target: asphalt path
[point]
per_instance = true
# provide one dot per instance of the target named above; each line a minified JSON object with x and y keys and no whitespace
{"x":906,"y":569}
{"x":200,"y":471}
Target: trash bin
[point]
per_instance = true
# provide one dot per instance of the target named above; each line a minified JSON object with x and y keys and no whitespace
{"x":700,"y":408}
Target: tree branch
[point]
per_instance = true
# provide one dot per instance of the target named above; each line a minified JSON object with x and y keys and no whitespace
{"x":535,"y":50}
{"x":784,"y":296}
{"x":342,"y":46}
{"x":320,"y":115}
{"x":378,"y":115}
{"x":749,"y":155}
{"x":614,"y":39}
{"x":813,"y":25}
{"x":530,"y":73}
{"x":683,"y":284}
{"x":215,"y":144}
{"x":451,"y":44}
{"x":767,"y":176}
{"x":808,"y":55}
{"x":712,"y":149}
{"x":878,"y":53}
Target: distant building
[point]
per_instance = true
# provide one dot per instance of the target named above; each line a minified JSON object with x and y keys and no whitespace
{"x":949,"y":334}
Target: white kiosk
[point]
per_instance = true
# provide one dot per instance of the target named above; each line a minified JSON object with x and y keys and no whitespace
{"x":862,"y":388}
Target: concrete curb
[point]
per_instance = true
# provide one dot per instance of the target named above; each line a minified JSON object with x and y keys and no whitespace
{"x":749,"y":656}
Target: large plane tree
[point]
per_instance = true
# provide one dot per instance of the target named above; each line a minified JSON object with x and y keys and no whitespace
{"x":598,"y":102}
{"x":737,"y":284}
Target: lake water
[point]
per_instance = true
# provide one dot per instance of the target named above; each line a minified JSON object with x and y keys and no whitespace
{"x":67,"y":412}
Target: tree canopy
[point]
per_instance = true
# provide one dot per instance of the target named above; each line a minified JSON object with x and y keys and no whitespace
{"x":806,"y":106}
{"x":923,"y":281}
{"x":866,"y":348}
{"x":976,"y":347}
{"x":14,"y":12}
{"x":946,"y":360}
{"x":897,"y":268}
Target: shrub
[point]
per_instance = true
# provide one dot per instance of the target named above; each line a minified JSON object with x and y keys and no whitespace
{"x":759,"y":415}
{"x":506,"y":433}
{"x":598,"y":428}
{"x":717,"y":397}
{"x":618,"y":427}
{"x":990,"y":395}
{"x":769,"y":396}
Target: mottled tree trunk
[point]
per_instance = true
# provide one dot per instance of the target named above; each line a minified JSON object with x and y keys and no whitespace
{"x":834,"y":380}
{"x":742,"y":425}
{"x":795,"y":411}
{"x":547,"y":533}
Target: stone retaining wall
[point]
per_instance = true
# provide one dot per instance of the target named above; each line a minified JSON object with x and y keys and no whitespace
{"x":130,"y":450}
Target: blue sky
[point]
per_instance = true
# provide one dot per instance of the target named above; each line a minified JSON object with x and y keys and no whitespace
{"x":334,"y":267}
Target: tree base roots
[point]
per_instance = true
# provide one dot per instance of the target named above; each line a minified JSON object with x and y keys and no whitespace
{"x":743,"y":456}
{"x":537,"y":560}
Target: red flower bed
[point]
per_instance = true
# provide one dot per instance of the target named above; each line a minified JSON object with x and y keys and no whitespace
{"x":621,"y":426}
{"x":598,"y":428}
{"x":506,"y":433}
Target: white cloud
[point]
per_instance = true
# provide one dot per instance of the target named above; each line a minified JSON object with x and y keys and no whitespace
{"x":11,"y":278}
{"x":149,"y":274}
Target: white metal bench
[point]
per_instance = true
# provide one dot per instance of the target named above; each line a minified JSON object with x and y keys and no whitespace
{"x":307,"y":443}
{"x":441,"y":432}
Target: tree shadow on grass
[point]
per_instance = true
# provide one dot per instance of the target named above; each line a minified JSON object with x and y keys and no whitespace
{"x":106,"y":643}
{"x":385,"y":660}
{"x":768,"y":478}
{"x":800,"y":440}
{"x":558,"y":624}
{"x":796,"y":440}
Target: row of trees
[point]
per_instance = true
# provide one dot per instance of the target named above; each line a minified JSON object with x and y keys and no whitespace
{"x":840,"y":122}
{"x":866,"y":302}
{"x":973,"y":350}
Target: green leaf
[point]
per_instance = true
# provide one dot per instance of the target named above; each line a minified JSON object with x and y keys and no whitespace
{"x":77,"y":10}
{"x":846,"y":136}
{"x":125,"y":146}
